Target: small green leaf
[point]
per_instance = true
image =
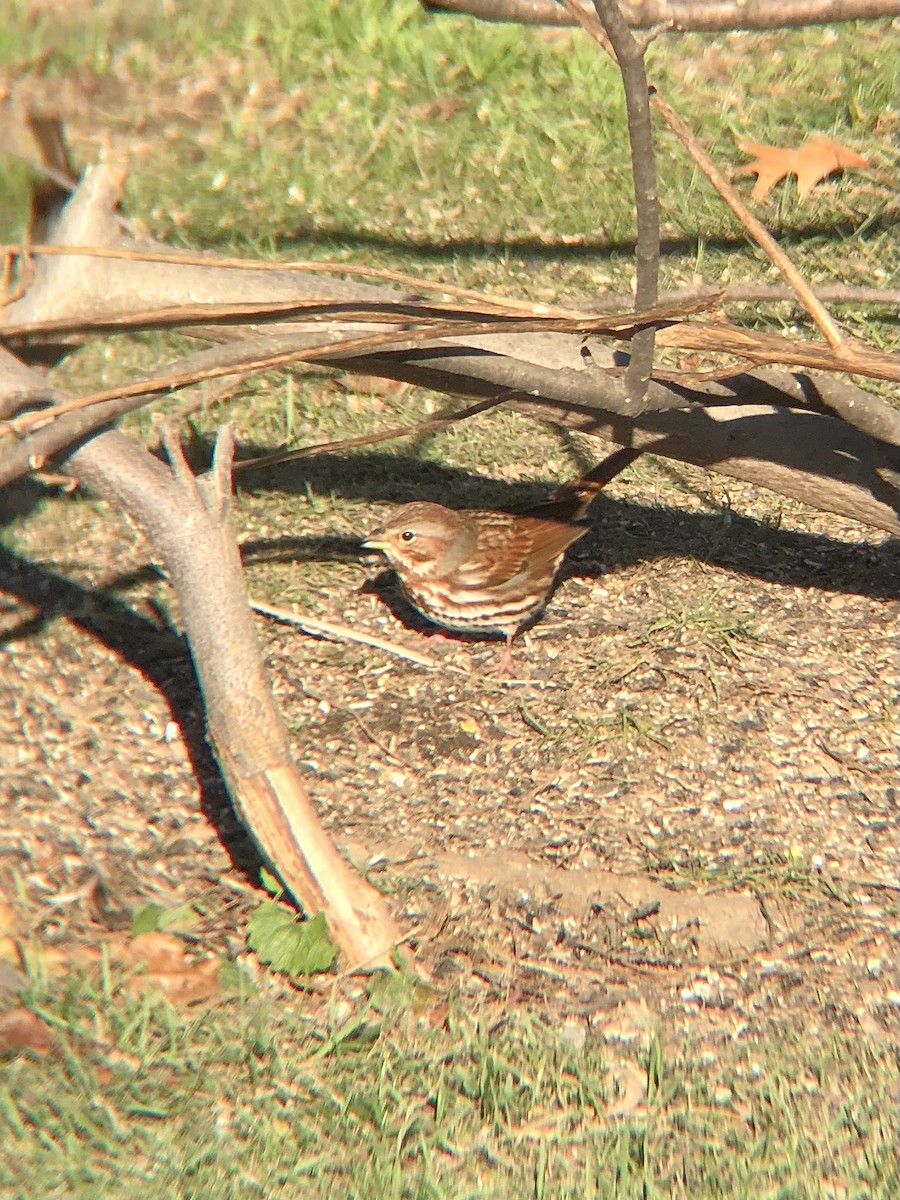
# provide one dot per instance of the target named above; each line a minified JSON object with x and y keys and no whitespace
{"x":153,"y":919}
{"x":184,"y":916}
{"x":270,"y":883}
{"x":233,"y":979}
{"x":287,"y":944}
{"x":146,"y":920}
{"x":394,"y":992}
{"x":390,"y":993}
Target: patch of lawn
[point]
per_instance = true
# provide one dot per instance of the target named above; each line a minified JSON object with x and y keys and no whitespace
{"x":426,"y":140}
{"x":496,"y":157}
{"x":381,"y":1099}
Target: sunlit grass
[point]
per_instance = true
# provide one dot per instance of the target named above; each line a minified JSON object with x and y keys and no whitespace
{"x":494,"y":156}
{"x":256,"y":1098}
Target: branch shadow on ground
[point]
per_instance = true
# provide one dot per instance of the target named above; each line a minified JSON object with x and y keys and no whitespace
{"x":590,"y":250}
{"x":622,"y":532}
{"x":160,"y":654}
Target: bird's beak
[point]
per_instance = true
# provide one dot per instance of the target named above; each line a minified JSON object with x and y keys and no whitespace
{"x":374,"y":541}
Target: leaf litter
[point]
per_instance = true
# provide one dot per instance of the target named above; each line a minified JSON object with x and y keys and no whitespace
{"x":812,"y":162}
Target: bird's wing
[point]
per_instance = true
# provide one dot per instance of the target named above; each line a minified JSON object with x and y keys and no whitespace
{"x":549,"y":539}
{"x":504,"y":551}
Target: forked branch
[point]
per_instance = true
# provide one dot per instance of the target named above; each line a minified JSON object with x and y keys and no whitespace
{"x":188,"y":522}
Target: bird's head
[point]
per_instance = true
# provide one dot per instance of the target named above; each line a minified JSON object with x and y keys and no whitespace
{"x":417,"y":535}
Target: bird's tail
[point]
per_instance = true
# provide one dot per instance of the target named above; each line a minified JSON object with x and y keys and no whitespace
{"x":572,"y":499}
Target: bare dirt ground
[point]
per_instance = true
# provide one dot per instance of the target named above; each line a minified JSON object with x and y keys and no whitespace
{"x":685,"y":808}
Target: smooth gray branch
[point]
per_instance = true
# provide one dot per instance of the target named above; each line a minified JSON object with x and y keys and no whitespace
{"x":188,"y":523}
{"x":713,"y":16}
{"x":630,"y":57}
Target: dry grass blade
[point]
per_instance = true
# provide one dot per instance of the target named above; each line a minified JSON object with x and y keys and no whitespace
{"x":343,"y":633}
{"x":622,"y":325}
{"x":371,"y":439}
{"x":441,"y":320}
{"x":767,"y":348}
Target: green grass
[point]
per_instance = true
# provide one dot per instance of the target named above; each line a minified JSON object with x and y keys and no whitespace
{"x":322,"y":135}
{"x":496,"y":157}
{"x":487,"y":154}
{"x":705,"y":624}
{"x":377,"y":1100}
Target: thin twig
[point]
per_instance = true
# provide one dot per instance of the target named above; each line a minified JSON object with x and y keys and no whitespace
{"x":61,"y":178}
{"x":171,"y":443}
{"x":622,"y":325}
{"x":344,"y":633}
{"x":757,"y":293}
{"x":442,"y":319}
{"x":386,"y":435}
{"x":810,"y":301}
{"x":376,"y":741}
{"x":630,"y":57}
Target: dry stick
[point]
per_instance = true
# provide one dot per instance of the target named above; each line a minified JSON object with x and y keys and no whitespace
{"x":386,"y":435}
{"x":756,"y":293}
{"x":629,"y":55}
{"x":853,"y":480}
{"x":191,"y":528}
{"x":343,"y":633}
{"x":682,"y":15}
{"x":440,"y":318}
{"x":316,"y":311}
{"x":829,"y":293}
{"x":621,"y":325}
{"x":398,"y":431}
{"x":504,"y":304}
{"x":755,"y":228}
{"x":60,"y":178}
{"x":837,"y":293}
{"x":244,"y":726}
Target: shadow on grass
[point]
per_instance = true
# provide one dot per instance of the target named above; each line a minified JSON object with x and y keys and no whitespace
{"x":547,"y":251}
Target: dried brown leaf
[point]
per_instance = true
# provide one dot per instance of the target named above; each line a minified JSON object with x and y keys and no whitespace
{"x":20,"y":1030}
{"x":164,"y":965}
{"x":8,"y":922}
{"x":817,"y":158}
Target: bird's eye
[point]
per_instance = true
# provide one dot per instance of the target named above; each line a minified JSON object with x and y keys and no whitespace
{"x":407,"y":535}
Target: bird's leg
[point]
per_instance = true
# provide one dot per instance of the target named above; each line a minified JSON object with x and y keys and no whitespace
{"x":434,"y":639}
{"x":504,"y":664}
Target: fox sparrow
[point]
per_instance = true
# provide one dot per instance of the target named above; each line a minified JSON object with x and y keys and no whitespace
{"x":481,"y":571}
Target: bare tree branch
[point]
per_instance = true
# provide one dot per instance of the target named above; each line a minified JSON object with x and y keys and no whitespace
{"x":547,"y":367}
{"x":479,"y":358}
{"x":188,"y":523}
{"x":630,"y":57}
{"x":711,"y":15}
{"x":757,"y":293}
{"x":755,"y":228}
